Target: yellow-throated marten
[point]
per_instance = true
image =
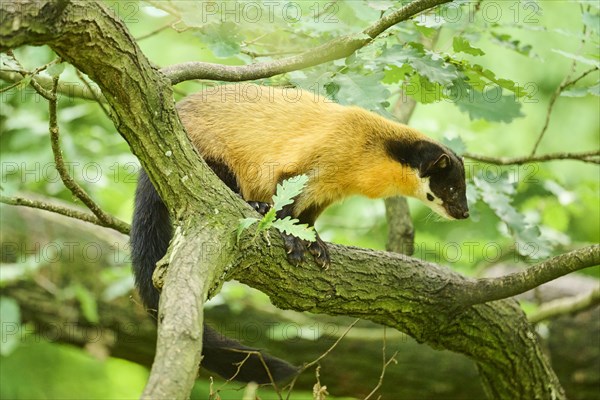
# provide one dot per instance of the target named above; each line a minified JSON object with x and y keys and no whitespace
{"x":253,"y":137}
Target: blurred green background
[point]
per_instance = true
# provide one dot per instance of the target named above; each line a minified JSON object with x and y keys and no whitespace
{"x":560,"y":198}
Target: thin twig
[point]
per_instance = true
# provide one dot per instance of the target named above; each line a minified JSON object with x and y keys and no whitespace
{"x":564,"y":84}
{"x":38,"y":88}
{"x":322,"y":356}
{"x":156,"y":31}
{"x":69,"y":182}
{"x":340,"y":47}
{"x":586,"y":156}
{"x":7,"y":88}
{"x":262,"y":361}
{"x":67,"y":212}
{"x":384,"y":366}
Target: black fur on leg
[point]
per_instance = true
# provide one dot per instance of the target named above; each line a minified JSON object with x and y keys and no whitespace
{"x":151,"y":232}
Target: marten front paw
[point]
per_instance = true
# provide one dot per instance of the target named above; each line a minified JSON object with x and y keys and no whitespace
{"x":296,"y":248}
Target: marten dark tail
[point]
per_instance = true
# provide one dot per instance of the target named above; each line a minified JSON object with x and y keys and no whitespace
{"x":150,"y":235}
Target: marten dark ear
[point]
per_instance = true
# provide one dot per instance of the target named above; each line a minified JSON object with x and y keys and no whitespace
{"x":442,"y":162}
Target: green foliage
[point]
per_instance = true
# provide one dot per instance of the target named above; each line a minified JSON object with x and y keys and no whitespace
{"x":498,"y":195}
{"x":56,"y":69}
{"x":284,"y":195}
{"x":89,"y":305}
{"x":68,"y":373}
{"x":490,"y":104}
{"x":358,"y":89}
{"x":427,"y":64}
{"x":291,"y":226}
{"x":10,"y":325}
{"x":462,"y":45}
{"x":582,"y":91}
{"x":592,"y":21}
{"x":456,"y":144}
{"x":512,"y":44}
{"x":222,"y":38}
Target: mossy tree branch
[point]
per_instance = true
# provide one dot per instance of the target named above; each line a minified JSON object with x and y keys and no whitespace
{"x":489,"y":289}
{"x":413,"y":297}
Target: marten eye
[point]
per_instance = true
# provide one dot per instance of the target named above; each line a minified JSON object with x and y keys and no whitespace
{"x":451,"y":189}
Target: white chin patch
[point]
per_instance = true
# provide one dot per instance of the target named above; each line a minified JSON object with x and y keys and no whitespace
{"x":425,"y":194}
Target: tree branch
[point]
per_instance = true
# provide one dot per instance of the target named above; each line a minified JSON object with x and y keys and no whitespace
{"x":87,"y":35}
{"x":69,"y":89}
{"x":489,"y":289}
{"x":563,"y":306}
{"x":415,"y":297}
{"x":586,"y":156}
{"x":67,"y":212}
{"x":104,"y":218}
{"x":337,"y":48}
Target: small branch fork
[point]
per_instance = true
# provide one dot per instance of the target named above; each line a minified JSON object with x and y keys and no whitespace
{"x":99,"y":217}
{"x":385,"y":363}
{"x":104,"y":218}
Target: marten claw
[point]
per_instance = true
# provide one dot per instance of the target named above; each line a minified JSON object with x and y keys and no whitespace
{"x":320,"y":252}
{"x":260,"y":207}
{"x":296,"y":248}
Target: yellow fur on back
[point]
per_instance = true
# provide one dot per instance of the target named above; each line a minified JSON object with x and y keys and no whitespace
{"x":264,"y":134}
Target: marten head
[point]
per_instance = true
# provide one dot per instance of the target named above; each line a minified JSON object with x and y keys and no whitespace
{"x":442,"y":175}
